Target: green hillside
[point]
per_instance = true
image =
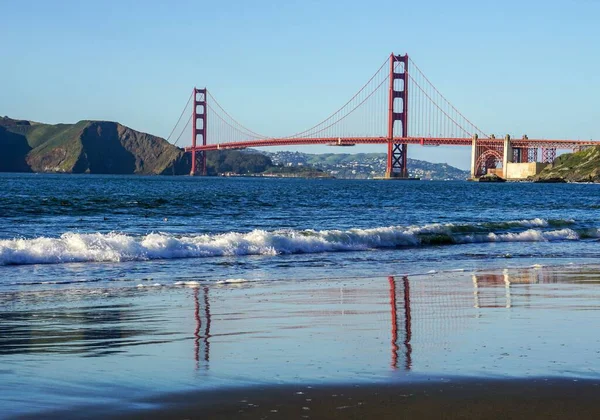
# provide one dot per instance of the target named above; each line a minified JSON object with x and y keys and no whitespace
{"x":102,"y":147}
{"x":583,"y":166}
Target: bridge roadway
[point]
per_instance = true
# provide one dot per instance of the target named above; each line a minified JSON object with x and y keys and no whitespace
{"x":423,"y":141}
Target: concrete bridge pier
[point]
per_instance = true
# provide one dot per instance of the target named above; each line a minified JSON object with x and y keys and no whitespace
{"x":513,"y":167}
{"x":507,"y":156}
{"x":473,"y":155}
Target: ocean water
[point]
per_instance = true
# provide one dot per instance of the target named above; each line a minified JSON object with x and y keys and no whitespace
{"x":101,"y":229}
{"x":113,"y":288}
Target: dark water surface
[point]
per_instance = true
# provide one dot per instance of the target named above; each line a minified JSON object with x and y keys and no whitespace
{"x":113,"y":288}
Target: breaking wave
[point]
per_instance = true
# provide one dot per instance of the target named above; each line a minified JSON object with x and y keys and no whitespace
{"x":117,"y":247}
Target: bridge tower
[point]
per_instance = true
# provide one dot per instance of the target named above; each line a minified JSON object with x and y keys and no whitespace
{"x":397,"y":153}
{"x":199,"y":115}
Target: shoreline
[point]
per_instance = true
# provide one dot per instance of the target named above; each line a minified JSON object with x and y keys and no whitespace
{"x":572,"y":268}
{"x":307,"y":177}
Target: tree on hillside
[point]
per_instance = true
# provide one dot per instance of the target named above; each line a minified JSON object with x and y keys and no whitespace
{"x":236,"y":162}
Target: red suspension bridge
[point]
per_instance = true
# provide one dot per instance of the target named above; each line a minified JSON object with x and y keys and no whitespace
{"x":397,"y":106}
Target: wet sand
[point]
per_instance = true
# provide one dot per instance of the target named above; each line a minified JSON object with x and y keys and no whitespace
{"x":521,"y":399}
{"x":456,"y":399}
{"x":440,"y":345}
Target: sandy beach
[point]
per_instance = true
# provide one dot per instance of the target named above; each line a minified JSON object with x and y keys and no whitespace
{"x":459,"y":399}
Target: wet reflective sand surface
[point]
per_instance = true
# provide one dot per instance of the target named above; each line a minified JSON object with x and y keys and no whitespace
{"x":126,"y":350}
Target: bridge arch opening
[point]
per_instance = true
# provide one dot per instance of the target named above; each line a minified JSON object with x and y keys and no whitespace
{"x":488,"y":162}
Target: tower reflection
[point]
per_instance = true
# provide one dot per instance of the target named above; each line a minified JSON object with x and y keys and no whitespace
{"x":407,"y":322}
{"x":201,"y":339}
{"x":496,"y":290}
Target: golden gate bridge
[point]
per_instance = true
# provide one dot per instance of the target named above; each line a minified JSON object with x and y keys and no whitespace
{"x":398,"y":106}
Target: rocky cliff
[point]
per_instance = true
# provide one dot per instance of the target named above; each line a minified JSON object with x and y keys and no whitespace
{"x":100,"y":147}
{"x":581,"y":166}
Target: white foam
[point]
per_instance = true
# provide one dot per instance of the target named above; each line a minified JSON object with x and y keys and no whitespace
{"x":117,"y":247}
{"x":530,"y":235}
{"x":187,"y":283}
{"x":537,"y":222}
{"x":232,"y":281}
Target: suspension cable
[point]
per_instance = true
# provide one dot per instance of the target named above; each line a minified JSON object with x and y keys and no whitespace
{"x":180,"y":116}
{"x":180,"y":134}
{"x":444,"y":98}
{"x":342,"y":107}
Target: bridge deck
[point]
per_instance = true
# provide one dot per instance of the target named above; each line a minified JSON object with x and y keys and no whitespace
{"x":423,"y":141}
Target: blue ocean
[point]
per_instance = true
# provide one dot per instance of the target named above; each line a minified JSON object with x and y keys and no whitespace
{"x":211,"y":229}
{"x":114,"y":288}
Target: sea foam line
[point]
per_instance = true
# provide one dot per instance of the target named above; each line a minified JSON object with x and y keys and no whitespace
{"x":117,"y":247}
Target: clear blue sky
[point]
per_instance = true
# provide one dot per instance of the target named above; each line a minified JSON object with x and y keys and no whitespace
{"x":510,"y":66}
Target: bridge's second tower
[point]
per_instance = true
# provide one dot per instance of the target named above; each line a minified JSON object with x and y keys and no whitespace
{"x":199,"y":116}
{"x":397,"y":152}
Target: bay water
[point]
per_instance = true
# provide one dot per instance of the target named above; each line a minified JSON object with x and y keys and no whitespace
{"x":113,"y":288}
